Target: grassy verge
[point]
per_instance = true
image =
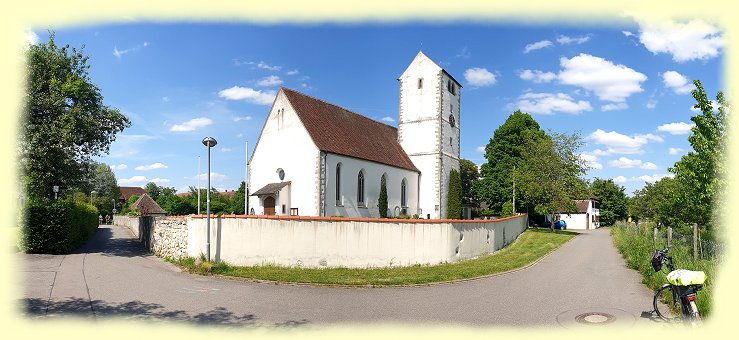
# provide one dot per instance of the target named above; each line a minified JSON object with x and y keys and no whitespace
{"x":636,"y":246}
{"x":530,"y":246}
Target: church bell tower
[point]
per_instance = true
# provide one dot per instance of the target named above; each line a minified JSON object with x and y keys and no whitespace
{"x":428,"y":130}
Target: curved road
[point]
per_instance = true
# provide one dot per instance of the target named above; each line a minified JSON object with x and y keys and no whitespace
{"x":584,"y":280}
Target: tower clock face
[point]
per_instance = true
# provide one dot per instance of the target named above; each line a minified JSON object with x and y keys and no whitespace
{"x":451,"y":120}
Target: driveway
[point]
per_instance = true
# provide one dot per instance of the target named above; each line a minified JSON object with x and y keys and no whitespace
{"x":584,"y":281}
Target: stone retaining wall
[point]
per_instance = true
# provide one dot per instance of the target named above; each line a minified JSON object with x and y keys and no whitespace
{"x":163,"y":236}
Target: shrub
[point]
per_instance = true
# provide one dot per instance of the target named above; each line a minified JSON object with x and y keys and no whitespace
{"x":58,"y":227}
{"x":454,"y":196}
{"x":382,"y":201}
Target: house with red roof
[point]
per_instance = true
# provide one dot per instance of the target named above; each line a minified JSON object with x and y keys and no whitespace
{"x":316,"y":158}
{"x":586,"y":214}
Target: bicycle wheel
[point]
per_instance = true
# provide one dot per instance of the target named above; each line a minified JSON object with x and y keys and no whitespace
{"x":669,"y":296}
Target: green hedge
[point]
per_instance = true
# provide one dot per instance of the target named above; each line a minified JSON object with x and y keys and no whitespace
{"x":58,"y":227}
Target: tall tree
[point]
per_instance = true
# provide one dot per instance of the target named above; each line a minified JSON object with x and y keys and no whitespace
{"x":154,"y":191}
{"x":65,"y":121}
{"x":549,"y":170}
{"x":469,"y":175}
{"x":613,"y":202}
{"x":237,"y":201}
{"x":382,"y":200}
{"x":454,"y":196}
{"x":503,"y":154}
{"x":701,"y":174}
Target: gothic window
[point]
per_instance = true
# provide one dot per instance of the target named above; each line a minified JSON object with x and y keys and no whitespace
{"x":402,"y":193}
{"x":338,"y":184}
{"x":451,"y":120}
{"x":420,"y":83}
{"x":449,"y":85}
{"x":360,"y":188}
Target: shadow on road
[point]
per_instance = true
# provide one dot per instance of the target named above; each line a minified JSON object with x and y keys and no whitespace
{"x":39,"y":308}
{"x":105,"y":243}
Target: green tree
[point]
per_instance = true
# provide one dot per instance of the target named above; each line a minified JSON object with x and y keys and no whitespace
{"x":382,"y":201}
{"x":469,"y":175}
{"x":700,"y":174}
{"x":613,"y":202}
{"x":549,"y":171}
{"x":503,"y":154}
{"x":65,"y":122}
{"x":237,"y":200}
{"x":454,"y":197}
{"x":154,"y":191}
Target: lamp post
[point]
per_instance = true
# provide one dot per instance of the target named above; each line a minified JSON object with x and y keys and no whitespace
{"x":91,"y":193}
{"x":209,"y":142}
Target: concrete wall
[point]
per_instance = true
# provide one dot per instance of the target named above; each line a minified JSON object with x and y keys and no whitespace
{"x":342,"y":242}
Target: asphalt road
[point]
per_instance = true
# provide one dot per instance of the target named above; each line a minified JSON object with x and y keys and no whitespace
{"x":584,"y":282}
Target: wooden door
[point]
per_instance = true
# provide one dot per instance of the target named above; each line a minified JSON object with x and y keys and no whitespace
{"x":269,"y":205}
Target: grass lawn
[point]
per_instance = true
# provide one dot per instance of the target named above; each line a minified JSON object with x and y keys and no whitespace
{"x":530,"y":246}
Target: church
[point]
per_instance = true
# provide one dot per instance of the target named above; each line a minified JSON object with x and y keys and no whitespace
{"x":314,"y":158}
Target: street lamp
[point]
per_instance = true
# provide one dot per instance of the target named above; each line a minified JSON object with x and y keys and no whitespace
{"x":91,"y":193}
{"x":209,"y":142}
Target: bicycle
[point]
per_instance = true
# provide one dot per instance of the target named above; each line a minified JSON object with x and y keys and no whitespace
{"x":683,"y":286}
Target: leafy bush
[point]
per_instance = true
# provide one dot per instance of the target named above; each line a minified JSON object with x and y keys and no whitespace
{"x":58,"y":227}
{"x":636,"y":245}
{"x":454,"y":196}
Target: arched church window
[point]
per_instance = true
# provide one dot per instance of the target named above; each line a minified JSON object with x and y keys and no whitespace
{"x":338,"y":184}
{"x":360,"y":188}
{"x":451,"y":120}
{"x":420,"y":83}
{"x":402,"y":193}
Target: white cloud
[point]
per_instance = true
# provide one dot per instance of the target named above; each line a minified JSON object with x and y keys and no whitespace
{"x":591,"y":161}
{"x":292,"y":72}
{"x":548,"y":103}
{"x":537,"y":76}
{"x":628,"y":34}
{"x":154,"y":166}
{"x":677,"y":82}
{"x":248,"y":94}
{"x":684,"y":41}
{"x":388,"y":119}
{"x":225,"y":149}
{"x":133,"y":180}
{"x":480,"y":149}
{"x":565,"y":40}
{"x":159,"y":180}
{"x":537,"y":45}
{"x":240,"y":118}
{"x":239,"y":135}
{"x":119,"y":167}
{"x":191,"y":125}
{"x":617,"y":143}
{"x":675,"y":151}
{"x":119,"y":53}
{"x":619,"y":179}
{"x":610,"y":82}
{"x":478,"y":77}
{"x":165,"y":99}
{"x":626,"y":163}
{"x":465,"y":54}
{"x":269,"y":81}
{"x":651,"y":104}
{"x":31,"y":37}
{"x":676,"y":128}
{"x":655,"y":177}
{"x":214,"y":176}
{"x":266,"y":66}
{"x":614,"y":106}
{"x":649,"y":166}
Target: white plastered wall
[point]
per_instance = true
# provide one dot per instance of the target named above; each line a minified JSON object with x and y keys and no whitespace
{"x":284,"y":143}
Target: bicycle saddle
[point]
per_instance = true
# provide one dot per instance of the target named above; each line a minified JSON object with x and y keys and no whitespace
{"x":683,"y":277}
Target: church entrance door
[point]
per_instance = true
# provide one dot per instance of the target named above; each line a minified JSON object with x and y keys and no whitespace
{"x":269,"y":205}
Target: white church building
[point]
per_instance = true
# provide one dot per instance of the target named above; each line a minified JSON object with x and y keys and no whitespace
{"x":315,"y":158}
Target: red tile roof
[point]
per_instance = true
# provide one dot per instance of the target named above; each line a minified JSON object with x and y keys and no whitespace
{"x":147,"y":206}
{"x":127,"y":192}
{"x":340,"y":131}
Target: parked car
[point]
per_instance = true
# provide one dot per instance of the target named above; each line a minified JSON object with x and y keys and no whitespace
{"x":560,"y":224}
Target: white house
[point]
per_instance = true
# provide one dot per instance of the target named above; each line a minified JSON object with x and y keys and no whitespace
{"x":315,"y":158}
{"x":586,"y":215}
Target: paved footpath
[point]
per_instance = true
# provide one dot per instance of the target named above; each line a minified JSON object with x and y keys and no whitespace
{"x":583,"y":281}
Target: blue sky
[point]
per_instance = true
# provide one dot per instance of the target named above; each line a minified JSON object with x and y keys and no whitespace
{"x":626,"y":89}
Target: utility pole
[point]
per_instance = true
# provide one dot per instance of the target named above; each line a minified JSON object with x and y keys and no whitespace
{"x":246,"y":176}
{"x":198,"y":185}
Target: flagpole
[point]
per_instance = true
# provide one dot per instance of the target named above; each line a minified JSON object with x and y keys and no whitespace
{"x":198,"y":185}
{"x":246,"y":177}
